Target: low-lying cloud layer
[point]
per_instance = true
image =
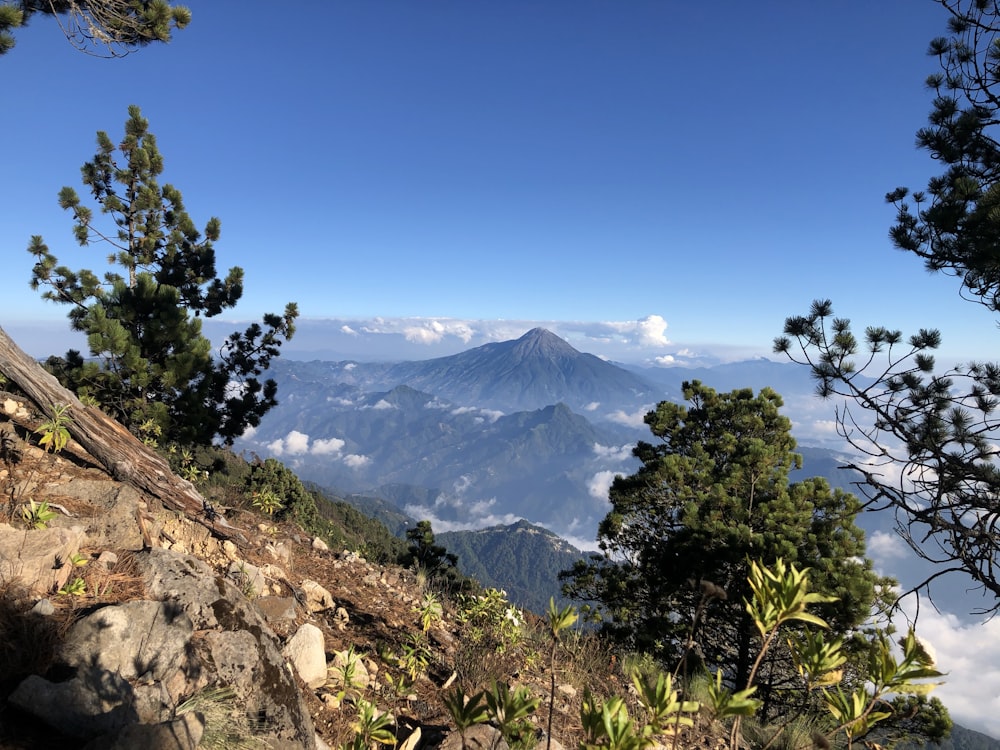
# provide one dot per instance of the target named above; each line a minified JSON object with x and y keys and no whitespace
{"x":644,"y":340}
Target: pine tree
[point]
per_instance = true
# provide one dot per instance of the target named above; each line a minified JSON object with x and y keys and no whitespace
{"x":154,"y":370}
{"x":710,"y":496}
{"x":926,"y":440}
{"x":107,"y":28}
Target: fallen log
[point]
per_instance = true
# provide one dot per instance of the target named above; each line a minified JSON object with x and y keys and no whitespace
{"x":122,"y":454}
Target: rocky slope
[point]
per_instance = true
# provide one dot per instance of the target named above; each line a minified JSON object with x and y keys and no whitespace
{"x":126,"y":625}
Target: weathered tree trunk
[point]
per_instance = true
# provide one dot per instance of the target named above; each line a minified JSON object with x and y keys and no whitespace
{"x":114,"y":447}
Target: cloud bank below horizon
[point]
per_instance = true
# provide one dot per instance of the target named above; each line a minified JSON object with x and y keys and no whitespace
{"x":640,"y":341}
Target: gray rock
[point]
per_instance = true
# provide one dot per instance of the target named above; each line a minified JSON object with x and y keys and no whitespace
{"x":318,"y":598}
{"x":121,"y":655}
{"x":477,"y":737}
{"x":279,"y":611}
{"x":240,"y":650}
{"x":135,"y":640}
{"x":183,"y":733}
{"x":39,"y":558}
{"x":94,"y":702}
{"x":306,"y":650}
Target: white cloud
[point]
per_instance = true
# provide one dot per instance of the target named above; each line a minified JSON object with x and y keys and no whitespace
{"x":348,"y":330}
{"x":294,"y":443}
{"x":884,"y":546}
{"x":592,"y":406}
{"x":350,"y":366}
{"x":432,"y":331}
{"x":382,"y":404}
{"x":635,"y":419}
{"x":970,"y":655}
{"x":328,"y":447}
{"x":600,"y":483}
{"x":613,"y":452}
{"x":651,"y":331}
{"x":355,"y":461}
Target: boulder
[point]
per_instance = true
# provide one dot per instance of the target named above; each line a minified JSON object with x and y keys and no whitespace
{"x":306,"y":650}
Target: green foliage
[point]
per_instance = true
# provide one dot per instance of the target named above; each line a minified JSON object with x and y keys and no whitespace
{"x":55,"y":430}
{"x":143,"y":321}
{"x":725,"y":703}
{"x":559,"y":620}
{"x":607,"y":724}
{"x":430,"y":610}
{"x":37,"y":515}
{"x":76,"y":587}
{"x":343,"y":678}
{"x":933,"y":427}
{"x":279,"y":486}
{"x":99,"y":27}
{"x":371,"y":727}
{"x":488,"y":617}
{"x":267,"y":502}
{"x":424,"y":554}
{"x":510,"y":711}
{"x":465,"y":710}
{"x":414,"y":656}
{"x":711,"y":495}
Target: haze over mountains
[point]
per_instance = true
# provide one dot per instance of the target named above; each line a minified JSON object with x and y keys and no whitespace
{"x":528,"y":428}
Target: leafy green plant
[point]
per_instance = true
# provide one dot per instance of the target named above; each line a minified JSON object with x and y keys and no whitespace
{"x":149,"y":432}
{"x":510,"y":710}
{"x":781,"y":595}
{"x":430,"y":611}
{"x":77,"y":560}
{"x":37,"y":515}
{"x":664,"y":709}
{"x":858,"y":710}
{"x":489,"y":616}
{"x":607,"y":724}
{"x":558,"y":621}
{"x":371,"y":726}
{"x":465,"y":710}
{"x":76,"y":587}
{"x":415,"y":656}
{"x":55,"y":430}
{"x":267,"y":502}
{"x":343,"y":677}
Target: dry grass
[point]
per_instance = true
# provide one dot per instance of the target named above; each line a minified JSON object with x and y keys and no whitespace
{"x":28,"y":641}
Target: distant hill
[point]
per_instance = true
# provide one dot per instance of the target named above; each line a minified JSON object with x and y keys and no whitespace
{"x":529,"y":428}
{"x":522,"y":559}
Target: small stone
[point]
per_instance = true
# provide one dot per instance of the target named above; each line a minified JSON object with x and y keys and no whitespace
{"x":230,"y":551}
{"x":319,"y":545}
{"x":317,"y":597}
{"x":108,"y":558}
{"x":43,"y":607}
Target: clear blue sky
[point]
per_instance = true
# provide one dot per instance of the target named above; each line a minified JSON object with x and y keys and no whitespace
{"x":605,"y":168}
{"x":714,"y":165}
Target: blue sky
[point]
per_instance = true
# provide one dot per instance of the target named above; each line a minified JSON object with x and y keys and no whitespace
{"x":656,"y":181}
{"x":463,"y":171}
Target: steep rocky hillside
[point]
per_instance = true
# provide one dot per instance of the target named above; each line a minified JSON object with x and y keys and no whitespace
{"x":126,"y":625}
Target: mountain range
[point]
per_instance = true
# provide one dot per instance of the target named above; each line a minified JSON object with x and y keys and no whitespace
{"x":528,"y":428}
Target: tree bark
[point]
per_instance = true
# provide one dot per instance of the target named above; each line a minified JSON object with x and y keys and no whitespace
{"x":114,"y":447}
